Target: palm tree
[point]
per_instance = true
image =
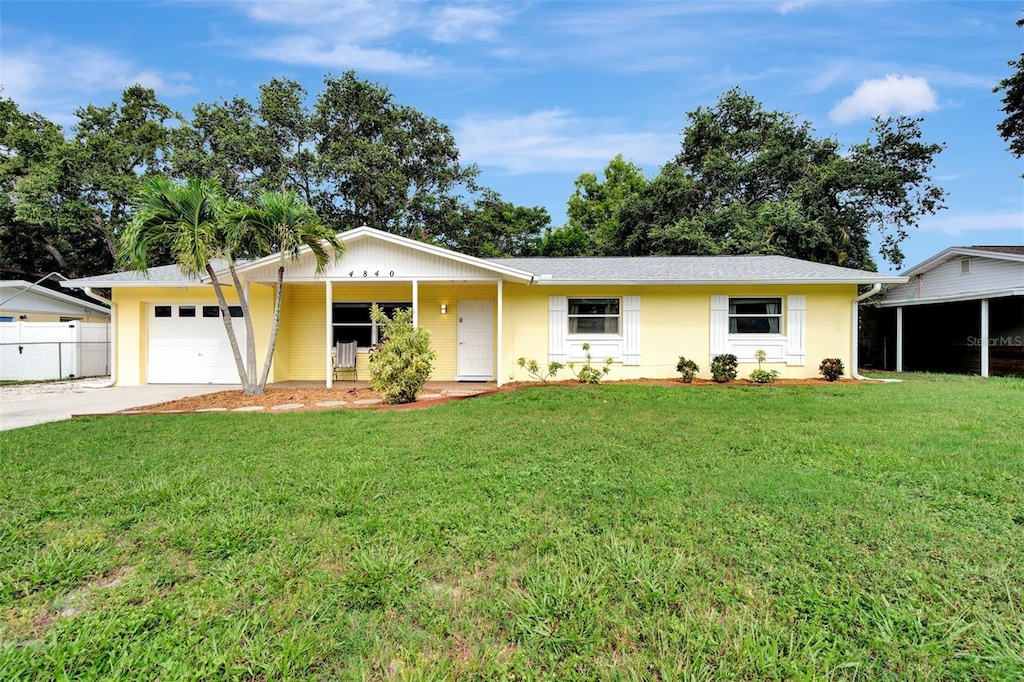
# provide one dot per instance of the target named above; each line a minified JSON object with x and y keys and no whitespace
{"x":189,"y":220}
{"x":199,"y":226}
{"x":281,"y":223}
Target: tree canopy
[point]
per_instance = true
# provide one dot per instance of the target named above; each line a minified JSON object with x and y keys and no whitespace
{"x":1011,"y":128}
{"x":746,"y":179}
{"x":351,"y":153}
{"x":355,"y":155}
{"x":750,"y":180}
{"x":67,"y":197}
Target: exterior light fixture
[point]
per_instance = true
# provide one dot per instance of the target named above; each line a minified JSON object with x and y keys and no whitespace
{"x":444,"y":308}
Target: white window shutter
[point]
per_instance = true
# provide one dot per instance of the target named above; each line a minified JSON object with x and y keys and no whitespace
{"x":631,"y":330}
{"x":558,"y":328}
{"x":719,"y":324}
{"x":796,"y":329}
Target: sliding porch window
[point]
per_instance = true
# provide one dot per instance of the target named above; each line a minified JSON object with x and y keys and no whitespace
{"x":351,"y":321}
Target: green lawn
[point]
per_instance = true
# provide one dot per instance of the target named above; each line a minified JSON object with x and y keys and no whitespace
{"x":624,"y":532}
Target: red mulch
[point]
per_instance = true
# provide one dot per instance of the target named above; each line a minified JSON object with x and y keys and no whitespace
{"x":309,"y":397}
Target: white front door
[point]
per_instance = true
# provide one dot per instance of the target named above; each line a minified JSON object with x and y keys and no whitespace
{"x":476,"y":341}
{"x":188,"y":344}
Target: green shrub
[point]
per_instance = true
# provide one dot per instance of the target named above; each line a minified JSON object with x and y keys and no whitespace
{"x":402,"y":362}
{"x":723,"y":367}
{"x":589,"y":374}
{"x":762,"y":376}
{"x":831,"y":369}
{"x":534,"y":369}
{"x":687,"y":368}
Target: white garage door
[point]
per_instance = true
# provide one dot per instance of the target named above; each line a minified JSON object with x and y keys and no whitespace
{"x":188,"y":344}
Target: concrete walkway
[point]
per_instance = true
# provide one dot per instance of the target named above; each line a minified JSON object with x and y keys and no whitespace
{"x":21,"y":410}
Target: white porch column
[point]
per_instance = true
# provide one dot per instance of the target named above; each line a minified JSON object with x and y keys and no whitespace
{"x":984,"y":337}
{"x":329,"y":333}
{"x":415,"y":303}
{"x":501,"y":327}
{"x":899,"y":339}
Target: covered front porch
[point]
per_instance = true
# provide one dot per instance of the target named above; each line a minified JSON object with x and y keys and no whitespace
{"x":464,"y":320}
{"x":455,"y":297}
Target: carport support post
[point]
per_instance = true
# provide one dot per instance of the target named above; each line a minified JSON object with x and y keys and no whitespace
{"x":329,"y":333}
{"x":899,"y":339}
{"x":984,"y":337}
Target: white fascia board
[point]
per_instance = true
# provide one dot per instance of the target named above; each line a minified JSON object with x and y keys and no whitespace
{"x":369,"y":232}
{"x":134,"y":284}
{"x":62,"y":298}
{"x":953,"y":251}
{"x":953,"y":298}
{"x":371,"y":280}
{"x":715,"y":282}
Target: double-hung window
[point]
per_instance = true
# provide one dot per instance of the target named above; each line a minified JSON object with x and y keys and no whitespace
{"x":594,"y":316}
{"x":351,"y":322}
{"x":755,"y":315}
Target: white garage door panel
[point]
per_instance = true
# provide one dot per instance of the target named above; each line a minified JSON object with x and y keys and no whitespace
{"x":191,"y":350}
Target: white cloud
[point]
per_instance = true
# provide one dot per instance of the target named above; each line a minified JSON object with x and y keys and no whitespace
{"x":955,"y":224}
{"x":555,"y":141}
{"x":882,"y":96}
{"x":452,"y":24}
{"x":355,"y":19}
{"x":793,"y":5}
{"x":358,"y":34}
{"x":339,"y":54}
{"x":47,"y":78}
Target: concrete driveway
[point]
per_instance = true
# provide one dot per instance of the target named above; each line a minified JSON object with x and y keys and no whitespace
{"x":27,"y":405}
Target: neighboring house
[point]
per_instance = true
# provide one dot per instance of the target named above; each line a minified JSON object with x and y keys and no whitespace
{"x":21,"y":301}
{"x":483,"y":314}
{"x":960,"y":311}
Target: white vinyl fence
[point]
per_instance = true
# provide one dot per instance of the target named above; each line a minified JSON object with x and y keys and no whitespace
{"x":40,"y":351}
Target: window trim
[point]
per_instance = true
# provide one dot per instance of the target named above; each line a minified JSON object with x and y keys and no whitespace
{"x":730,"y":316}
{"x":597,"y":335}
{"x":374,"y":328}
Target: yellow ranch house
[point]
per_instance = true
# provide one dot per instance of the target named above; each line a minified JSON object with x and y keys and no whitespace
{"x":483,"y":314}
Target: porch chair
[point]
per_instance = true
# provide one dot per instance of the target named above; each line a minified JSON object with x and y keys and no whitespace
{"x":345,"y":358}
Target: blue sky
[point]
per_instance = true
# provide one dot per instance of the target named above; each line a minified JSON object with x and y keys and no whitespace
{"x":538,"y":92}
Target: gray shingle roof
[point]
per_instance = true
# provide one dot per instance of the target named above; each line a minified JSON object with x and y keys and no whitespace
{"x":691,"y":270}
{"x":163,"y":274}
{"x":638,"y":270}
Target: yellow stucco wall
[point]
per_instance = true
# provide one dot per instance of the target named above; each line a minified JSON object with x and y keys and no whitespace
{"x":675,"y":320}
{"x":132,"y":336}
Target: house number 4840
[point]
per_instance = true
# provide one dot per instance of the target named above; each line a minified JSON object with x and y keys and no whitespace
{"x":366,"y":273}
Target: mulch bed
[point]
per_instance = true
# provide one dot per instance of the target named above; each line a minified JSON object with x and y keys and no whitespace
{"x":309,"y":397}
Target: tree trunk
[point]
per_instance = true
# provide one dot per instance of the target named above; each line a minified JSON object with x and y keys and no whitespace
{"x":225,"y":316}
{"x":59,"y":257}
{"x":252,"y":388}
{"x":273,"y":327}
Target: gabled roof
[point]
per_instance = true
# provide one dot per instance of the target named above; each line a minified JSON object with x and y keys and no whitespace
{"x":365,"y":232}
{"x":15,"y":293}
{"x":1010,"y":253}
{"x":692,"y":270}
